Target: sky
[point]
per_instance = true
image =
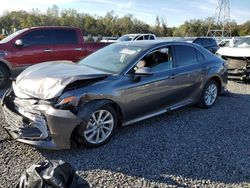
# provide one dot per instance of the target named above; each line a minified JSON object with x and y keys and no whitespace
{"x":176,"y":12}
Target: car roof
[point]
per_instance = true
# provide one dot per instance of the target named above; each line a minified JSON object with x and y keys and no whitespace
{"x":136,"y":34}
{"x":153,"y":43}
{"x":53,"y":27}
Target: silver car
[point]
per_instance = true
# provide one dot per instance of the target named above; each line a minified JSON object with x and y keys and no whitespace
{"x":52,"y":104}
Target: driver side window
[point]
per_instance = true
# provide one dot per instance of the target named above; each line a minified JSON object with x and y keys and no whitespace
{"x":158,"y":60}
{"x":37,"y":37}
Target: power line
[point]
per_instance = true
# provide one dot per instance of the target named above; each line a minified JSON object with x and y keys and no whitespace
{"x":221,"y":23}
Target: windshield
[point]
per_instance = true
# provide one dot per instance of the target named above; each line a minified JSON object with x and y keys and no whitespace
{"x":13,"y":35}
{"x":243,"y":43}
{"x":126,"y":38}
{"x":111,"y":59}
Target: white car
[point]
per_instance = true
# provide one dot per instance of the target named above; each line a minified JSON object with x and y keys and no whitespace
{"x":238,"y":58}
{"x":109,"y":39}
{"x":228,"y":42}
{"x":133,"y":37}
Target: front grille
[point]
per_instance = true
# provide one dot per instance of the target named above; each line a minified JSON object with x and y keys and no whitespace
{"x":13,"y":119}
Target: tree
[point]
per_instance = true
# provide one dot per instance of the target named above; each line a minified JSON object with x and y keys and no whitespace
{"x":109,"y":25}
{"x":245,"y":29}
{"x":52,"y":16}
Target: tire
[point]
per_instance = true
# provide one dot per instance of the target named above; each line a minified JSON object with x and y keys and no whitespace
{"x":209,"y":94}
{"x":87,"y":132}
{"x":4,"y":77}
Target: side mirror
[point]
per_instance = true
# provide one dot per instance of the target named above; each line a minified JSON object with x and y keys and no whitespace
{"x":19,"y":42}
{"x":144,"y":71}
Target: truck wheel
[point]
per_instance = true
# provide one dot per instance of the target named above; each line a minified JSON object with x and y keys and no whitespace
{"x":4,"y":76}
{"x":99,"y":126}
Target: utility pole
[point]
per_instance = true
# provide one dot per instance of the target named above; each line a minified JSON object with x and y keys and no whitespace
{"x":220,"y":25}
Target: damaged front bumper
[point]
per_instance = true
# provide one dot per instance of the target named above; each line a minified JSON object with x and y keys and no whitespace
{"x":242,"y":74}
{"x":238,"y":68}
{"x":37,"y":124}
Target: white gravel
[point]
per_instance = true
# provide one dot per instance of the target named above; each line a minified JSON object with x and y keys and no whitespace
{"x":188,"y":148}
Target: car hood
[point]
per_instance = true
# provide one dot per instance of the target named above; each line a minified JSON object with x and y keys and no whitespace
{"x":234,"y":52}
{"x":48,"y":80}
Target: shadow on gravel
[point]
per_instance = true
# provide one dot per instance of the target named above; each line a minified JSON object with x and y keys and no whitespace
{"x":196,"y":144}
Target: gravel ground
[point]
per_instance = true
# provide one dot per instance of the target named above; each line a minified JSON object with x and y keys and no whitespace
{"x":188,"y":148}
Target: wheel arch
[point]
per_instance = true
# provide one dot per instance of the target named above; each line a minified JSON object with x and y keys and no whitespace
{"x":100,"y":102}
{"x":218,"y":80}
{"x":84,"y":114}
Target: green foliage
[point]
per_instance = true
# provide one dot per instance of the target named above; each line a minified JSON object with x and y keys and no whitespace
{"x":109,"y":25}
{"x":245,"y":29}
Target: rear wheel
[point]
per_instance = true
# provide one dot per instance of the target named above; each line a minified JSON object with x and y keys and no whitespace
{"x":4,"y":76}
{"x":209,"y":94}
{"x":100,"y":127}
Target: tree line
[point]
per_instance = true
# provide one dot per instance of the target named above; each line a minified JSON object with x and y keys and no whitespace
{"x":109,"y":25}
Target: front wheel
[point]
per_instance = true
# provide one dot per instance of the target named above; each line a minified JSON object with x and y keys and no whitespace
{"x":100,"y":127}
{"x":209,"y":94}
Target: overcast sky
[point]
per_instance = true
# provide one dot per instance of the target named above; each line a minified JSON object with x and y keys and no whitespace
{"x":175,"y":11}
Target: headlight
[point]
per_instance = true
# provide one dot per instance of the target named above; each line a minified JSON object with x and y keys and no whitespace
{"x":67,"y":102}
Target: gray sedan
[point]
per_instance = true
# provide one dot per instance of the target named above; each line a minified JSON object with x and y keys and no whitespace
{"x":51,"y":104}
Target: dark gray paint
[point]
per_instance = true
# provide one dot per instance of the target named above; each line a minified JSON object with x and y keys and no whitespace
{"x":146,"y":96}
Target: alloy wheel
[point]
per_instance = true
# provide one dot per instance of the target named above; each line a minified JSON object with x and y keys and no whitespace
{"x":99,"y":127}
{"x":211,"y":94}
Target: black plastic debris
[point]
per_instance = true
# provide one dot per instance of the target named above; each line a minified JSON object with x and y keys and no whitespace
{"x":51,"y":174}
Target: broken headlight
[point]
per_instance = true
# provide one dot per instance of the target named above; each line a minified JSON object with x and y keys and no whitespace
{"x":67,"y":103}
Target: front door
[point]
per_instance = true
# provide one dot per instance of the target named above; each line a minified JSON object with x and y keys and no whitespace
{"x":150,"y":94}
{"x":37,"y":47}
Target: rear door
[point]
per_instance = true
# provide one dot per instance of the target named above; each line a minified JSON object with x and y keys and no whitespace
{"x":68,"y":45}
{"x":37,"y":47}
{"x":190,"y":73}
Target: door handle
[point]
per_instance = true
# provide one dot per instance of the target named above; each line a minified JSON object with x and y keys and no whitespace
{"x":78,"y":49}
{"x":172,"y":76}
{"x":48,"y":50}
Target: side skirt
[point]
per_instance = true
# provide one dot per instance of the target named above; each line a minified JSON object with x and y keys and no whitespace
{"x":172,"y":108}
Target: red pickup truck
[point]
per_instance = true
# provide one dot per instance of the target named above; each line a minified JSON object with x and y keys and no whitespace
{"x":30,"y":46}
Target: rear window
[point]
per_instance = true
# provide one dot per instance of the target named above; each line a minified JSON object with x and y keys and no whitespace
{"x":146,"y":37}
{"x":186,"y":55}
{"x":66,"y":36}
{"x":151,"y":37}
{"x":200,"y":56}
{"x":209,"y":42}
{"x":198,"y":41}
{"x":214,"y":42}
